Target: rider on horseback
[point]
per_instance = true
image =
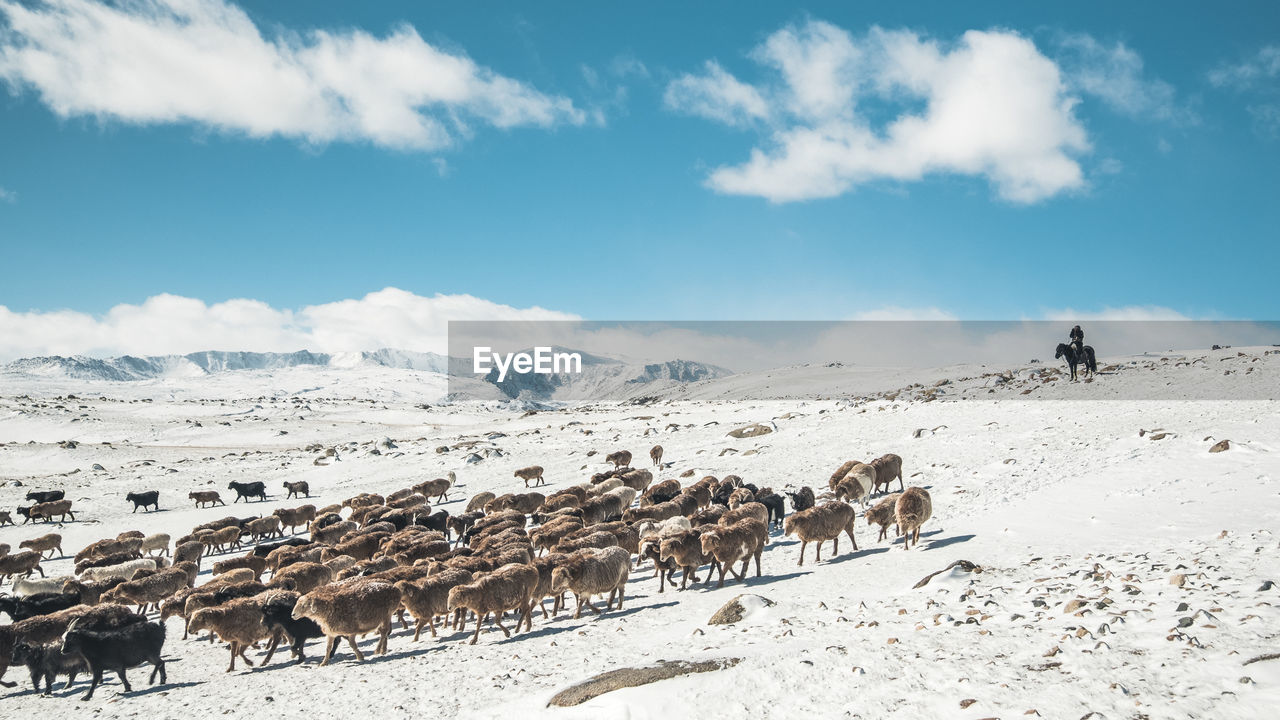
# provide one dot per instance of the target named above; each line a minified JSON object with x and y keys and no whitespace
{"x":1077,"y":338}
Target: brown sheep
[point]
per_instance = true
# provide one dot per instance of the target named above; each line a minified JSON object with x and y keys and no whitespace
{"x":5,"y":518}
{"x":740,"y":497}
{"x":50,"y":543}
{"x":655,"y":454}
{"x":204,"y":498}
{"x":820,"y":524}
{"x":510,"y":587}
{"x":264,"y":528}
{"x":364,"y":500}
{"x":295,"y":488}
{"x":545,"y":537}
{"x":157,"y":543}
{"x":294,"y":518}
{"x":913,"y":508}
{"x":255,"y":563}
{"x":560,"y":501}
{"x":593,"y":572}
{"x":638,"y":479}
{"x":666,"y":490}
{"x":424,"y":550}
{"x":684,"y":548}
{"x":90,"y":591}
{"x":226,"y":539}
{"x":533,"y":472}
{"x":21,"y":563}
{"x":47,"y":511}
{"x":711,"y":515}
{"x":621,"y":458}
{"x":840,"y":472}
{"x":191,"y":551}
{"x":238,"y":623}
{"x":438,"y":488}
{"x":746,"y":510}
{"x":888,"y":467}
{"x":479,"y":501}
{"x":882,"y":514}
{"x":333,"y":534}
{"x":521,"y":502}
{"x":305,"y":576}
{"x":429,"y":597}
{"x":148,"y":591}
{"x":350,"y":609}
{"x":412,"y":500}
{"x":601,"y":509}
{"x":742,"y":540}
{"x":699,"y":492}
{"x":594,"y":540}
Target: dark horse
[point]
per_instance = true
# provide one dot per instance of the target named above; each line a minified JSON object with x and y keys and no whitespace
{"x":1078,"y":356}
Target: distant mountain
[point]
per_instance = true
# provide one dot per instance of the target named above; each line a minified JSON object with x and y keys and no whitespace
{"x":129,"y":368}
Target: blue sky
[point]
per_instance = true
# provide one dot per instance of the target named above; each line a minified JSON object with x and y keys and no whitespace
{"x":598,"y":166}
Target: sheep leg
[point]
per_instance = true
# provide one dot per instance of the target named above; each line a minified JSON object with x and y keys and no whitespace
{"x":803,"y":543}
{"x":124,"y":680}
{"x":93,"y":685}
{"x":722,"y":571}
{"x":235,"y":646}
{"x":476,"y":636}
{"x":528,"y":617}
{"x":271,"y":649}
{"x":351,"y":640}
{"x":758,"y":552}
{"x":742,"y":573}
{"x":622,"y":591}
{"x":386,"y":633}
{"x":400,"y":613}
{"x":245,"y":658}
{"x":328,"y":652}
{"x":543,"y":607}
{"x":157,"y":666}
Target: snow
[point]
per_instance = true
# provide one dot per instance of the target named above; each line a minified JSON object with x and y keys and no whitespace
{"x":1056,"y":499}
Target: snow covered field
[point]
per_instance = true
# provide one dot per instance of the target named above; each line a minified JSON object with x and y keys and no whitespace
{"x":1078,"y":520}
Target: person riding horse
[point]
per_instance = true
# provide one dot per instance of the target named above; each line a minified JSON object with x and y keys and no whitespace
{"x":1077,"y":338}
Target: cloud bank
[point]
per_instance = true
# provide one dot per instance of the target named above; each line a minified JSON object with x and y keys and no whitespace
{"x":837,"y":111}
{"x":172,"y":324}
{"x":206,"y":62}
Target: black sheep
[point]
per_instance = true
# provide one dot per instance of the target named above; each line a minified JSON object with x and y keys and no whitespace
{"x":277,"y":615}
{"x":774,"y":503}
{"x":47,"y":662}
{"x":802,"y":499}
{"x":117,"y":650}
{"x":144,"y":500}
{"x":244,"y":491}
{"x":438,"y":520}
{"x":264,"y":550}
{"x":46,"y":495}
{"x":21,"y":608}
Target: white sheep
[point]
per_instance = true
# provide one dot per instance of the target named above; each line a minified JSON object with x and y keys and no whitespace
{"x":25,"y":587}
{"x":124,"y":570}
{"x":155,"y":543}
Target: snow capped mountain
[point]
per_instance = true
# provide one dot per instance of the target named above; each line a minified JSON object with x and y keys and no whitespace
{"x":129,"y":368}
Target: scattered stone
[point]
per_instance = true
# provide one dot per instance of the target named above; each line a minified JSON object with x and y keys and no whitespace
{"x":750,"y":431}
{"x":967,"y":702}
{"x":1220,"y":446}
{"x":734,"y":610}
{"x":634,"y":677}
{"x":1178,"y":579}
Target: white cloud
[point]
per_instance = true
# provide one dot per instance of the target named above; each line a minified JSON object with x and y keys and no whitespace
{"x":989,"y":105}
{"x":1129,"y":312}
{"x":7,"y":195}
{"x":1115,"y":74}
{"x":1263,"y":65}
{"x":206,"y":62}
{"x":171,"y":324}
{"x":895,"y":313}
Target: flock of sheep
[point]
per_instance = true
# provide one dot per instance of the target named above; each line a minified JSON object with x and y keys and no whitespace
{"x":371,"y":560}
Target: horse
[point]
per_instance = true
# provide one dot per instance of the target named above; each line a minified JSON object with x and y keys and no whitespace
{"x":1078,"y":356}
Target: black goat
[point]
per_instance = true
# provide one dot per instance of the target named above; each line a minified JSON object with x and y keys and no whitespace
{"x":802,"y":499}
{"x":21,"y":608}
{"x":277,"y":615}
{"x":438,"y":520}
{"x":265,"y":549}
{"x":244,"y":491}
{"x":117,"y":650}
{"x":144,"y":500}
{"x":46,"y":662}
{"x":46,"y":495}
{"x":774,"y":503}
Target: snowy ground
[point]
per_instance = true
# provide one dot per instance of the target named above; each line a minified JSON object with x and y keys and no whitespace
{"x":1077,"y":520}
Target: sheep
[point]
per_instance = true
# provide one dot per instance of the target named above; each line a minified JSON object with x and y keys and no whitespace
{"x":747,"y":510}
{"x":841,"y":471}
{"x":699,"y":492}
{"x":245,"y":491}
{"x":238,"y":623}
{"x":90,"y":591}
{"x":334,"y":533}
{"x":882,"y":514}
{"x":44,"y":544}
{"x":144,"y":500}
{"x":204,"y":498}
{"x":47,"y":628}
{"x":109,"y":546}
{"x":913,"y":508}
{"x":627,"y":494}
{"x":888,"y":467}
{"x":20,"y":609}
{"x":125,"y":570}
{"x":522,"y":502}
{"x":48,"y":510}
{"x":651,"y":549}
{"x":106,"y":560}
{"x":857,"y":484}
{"x":742,"y":540}
{"x":593,"y":572}
{"x":820,"y":524}
{"x":593,"y":540}
{"x":150,"y":590}
{"x":294,"y":488}
{"x":684,"y":549}
{"x":775,"y":504}
{"x":277,"y":615}
{"x":533,"y":472}
{"x":26,"y":587}
{"x":350,"y":609}
{"x":739,"y":497}
{"x":117,"y":650}
{"x":257,"y":564}
{"x":46,"y":662}
{"x":226,"y":539}
{"x":479,"y":501}
{"x":655,"y":454}
{"x":363,"y":500}
{"x":638,"y":479}
{"x":545,"y":537}
{"x":211,"y":594}
{"x":509,"y":587}
{"x":306,"y":576}
{"x":293,"y":518}
{"x":709,"y":515}
{"x":264,"y":528}
{"x":621,"y":458}
{"x":415,"y":500}
{"x":802,"y":499}
{"x":24,"y":563}
{"x":557,"y":502}
{"x":660,"y":493}
{"x":672,"y":525}
{"x":604,"y":487}
{"x":192,"y":551}
{"x":130,"y":535}
{"x":681,"y":505}
{"x":428,"y":597}
{"x":42,"y":496}
{"x":158,"y":542}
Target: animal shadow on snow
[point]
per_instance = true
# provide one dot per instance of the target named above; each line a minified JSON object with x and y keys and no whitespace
{"x":565,"y":620}
{"x":847,"y":556}
{"x":944,"y":542}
